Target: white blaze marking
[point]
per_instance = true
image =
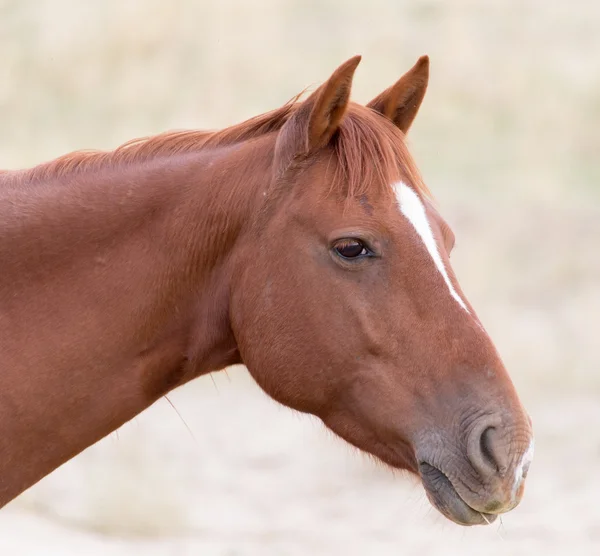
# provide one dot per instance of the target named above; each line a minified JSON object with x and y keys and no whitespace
{"x":525,"y":461}
{"x":412,"y":207}
{"x":520,"y":469}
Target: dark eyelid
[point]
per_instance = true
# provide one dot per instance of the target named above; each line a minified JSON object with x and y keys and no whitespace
{"x":337,"y":248}
{"x":360,"y":239}
{"x":368,"y":238}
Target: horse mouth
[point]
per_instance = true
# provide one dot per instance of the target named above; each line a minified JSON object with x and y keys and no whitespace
{"x":443,"y":496}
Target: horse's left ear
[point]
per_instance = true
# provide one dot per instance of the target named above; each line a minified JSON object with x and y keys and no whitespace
{"x":400,"y":103}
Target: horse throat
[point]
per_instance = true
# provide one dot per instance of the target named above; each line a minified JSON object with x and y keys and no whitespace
{"x":115,"y":292}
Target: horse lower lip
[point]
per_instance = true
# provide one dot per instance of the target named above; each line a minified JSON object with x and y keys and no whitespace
{"x":443,"y":496}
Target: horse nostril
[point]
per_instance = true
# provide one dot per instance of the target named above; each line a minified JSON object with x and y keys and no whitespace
{"x":485,"y":451}
{"x":485,"y":446}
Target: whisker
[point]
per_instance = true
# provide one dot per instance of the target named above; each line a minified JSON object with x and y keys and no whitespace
{"x":495,"y":530}
{"x":182,"y":419}
{"x":500,"y":528}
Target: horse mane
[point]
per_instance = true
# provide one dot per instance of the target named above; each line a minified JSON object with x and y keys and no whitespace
{"x":369,"y":149}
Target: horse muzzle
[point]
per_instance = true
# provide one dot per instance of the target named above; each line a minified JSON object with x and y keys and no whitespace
{"x":485,"y":480}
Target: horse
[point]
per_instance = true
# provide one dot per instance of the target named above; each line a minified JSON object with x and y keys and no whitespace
{"x":302,"y":243}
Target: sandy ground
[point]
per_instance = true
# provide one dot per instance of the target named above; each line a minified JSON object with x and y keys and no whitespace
{"x":507,"y":140}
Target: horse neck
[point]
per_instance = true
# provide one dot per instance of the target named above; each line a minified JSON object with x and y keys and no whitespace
{"x":113,"y":293}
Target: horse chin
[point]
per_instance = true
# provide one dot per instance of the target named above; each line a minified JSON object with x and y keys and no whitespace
{"x":443,"y":496}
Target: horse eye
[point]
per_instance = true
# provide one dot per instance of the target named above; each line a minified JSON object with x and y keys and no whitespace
{"x":350,"y":248}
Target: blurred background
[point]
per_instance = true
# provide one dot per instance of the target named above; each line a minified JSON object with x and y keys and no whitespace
{"x":508,"y":140}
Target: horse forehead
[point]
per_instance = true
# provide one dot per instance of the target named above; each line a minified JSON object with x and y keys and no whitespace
{"x":413,"y":209}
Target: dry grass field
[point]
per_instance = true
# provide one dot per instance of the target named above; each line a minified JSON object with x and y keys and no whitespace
{"x":508,"y":139}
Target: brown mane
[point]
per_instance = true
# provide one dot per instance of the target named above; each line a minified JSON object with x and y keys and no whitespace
{"x":369,"y":149}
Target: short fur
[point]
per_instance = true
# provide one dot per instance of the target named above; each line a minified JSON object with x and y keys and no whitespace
{"x":125,"y":274}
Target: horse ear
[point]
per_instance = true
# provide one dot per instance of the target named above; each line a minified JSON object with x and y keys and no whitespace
{"x":317,"y":118}
{"x":400,"y":103}
{"x":328,"y":104}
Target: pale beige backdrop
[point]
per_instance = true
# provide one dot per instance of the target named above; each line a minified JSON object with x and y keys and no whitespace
{"x":508,"y":140}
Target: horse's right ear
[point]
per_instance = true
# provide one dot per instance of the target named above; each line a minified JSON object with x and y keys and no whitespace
{"x":319,"y":116}
{"x":328,"y":105}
